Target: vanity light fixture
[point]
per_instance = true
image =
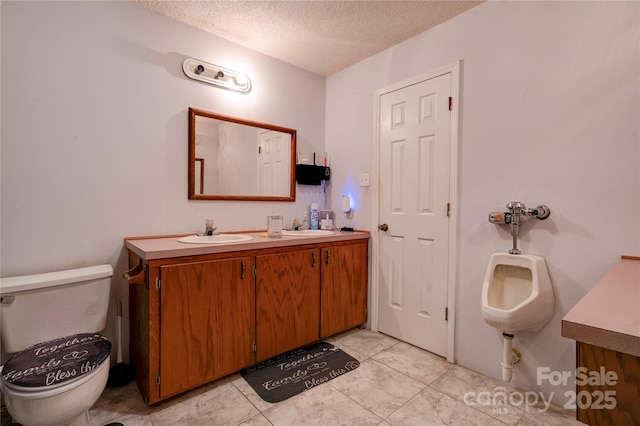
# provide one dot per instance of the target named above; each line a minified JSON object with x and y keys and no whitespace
{"x":216,"y":75}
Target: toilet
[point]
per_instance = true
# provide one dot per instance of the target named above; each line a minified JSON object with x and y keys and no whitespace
{"x":517,"y":294}
{"x":60,"y":364}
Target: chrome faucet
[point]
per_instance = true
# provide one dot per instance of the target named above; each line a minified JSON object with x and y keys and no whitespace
{"x":210,"y":228}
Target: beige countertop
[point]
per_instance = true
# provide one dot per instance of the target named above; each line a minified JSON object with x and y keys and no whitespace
{"x":609,"y":314}
{"x":151,"y":248}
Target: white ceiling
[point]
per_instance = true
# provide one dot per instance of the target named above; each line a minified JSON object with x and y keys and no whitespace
{"x":324,"y":36}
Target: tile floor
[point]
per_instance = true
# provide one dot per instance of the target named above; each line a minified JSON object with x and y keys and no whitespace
{"x":396,"y":384}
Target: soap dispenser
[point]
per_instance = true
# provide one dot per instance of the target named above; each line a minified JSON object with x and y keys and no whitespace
{"x":305,"y":221}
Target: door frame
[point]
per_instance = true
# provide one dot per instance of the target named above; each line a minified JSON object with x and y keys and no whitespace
{"x":455,"y":70}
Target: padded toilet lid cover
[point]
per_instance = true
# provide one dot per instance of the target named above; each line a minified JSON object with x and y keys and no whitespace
{"x":57,"y":361}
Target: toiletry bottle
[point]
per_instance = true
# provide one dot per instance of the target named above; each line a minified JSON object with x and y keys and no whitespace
{"x":314,"y":216}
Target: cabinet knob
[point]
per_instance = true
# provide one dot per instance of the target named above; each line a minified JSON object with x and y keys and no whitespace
{"x":384,"y":227}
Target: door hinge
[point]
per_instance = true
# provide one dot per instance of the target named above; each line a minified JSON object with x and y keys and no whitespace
{"x":158,"y":379}
{"x":446,"y":313}
{"x":157,"y":283}
{"x":450,"y":103}
{"x":448,"y":209}
{"x":255,"y":271}
{"x":255,"y":347}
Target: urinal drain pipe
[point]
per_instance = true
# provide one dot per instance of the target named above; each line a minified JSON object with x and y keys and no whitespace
{"x":510,"y":357}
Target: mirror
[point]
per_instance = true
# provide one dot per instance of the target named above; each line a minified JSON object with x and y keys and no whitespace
{"x":235,"y":159}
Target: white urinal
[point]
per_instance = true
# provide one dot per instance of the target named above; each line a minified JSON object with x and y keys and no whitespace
{"x":517,"y":294}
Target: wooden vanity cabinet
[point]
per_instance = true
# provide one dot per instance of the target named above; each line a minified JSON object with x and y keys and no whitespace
{"x":611,"y":398}
{"x":206,"y":322}
{"x":605,"y":324}
{"x":343,"y":288}
{"x":287,"y":301}
{"x":192,"y":321}
{"x":303,"y":296}
{"x":197,"y":318}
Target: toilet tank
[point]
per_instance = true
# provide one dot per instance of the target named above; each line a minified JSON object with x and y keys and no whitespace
{"x":42,"y":307}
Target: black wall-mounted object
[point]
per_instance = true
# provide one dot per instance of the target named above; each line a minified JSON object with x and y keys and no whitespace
{"x":307,"y":174}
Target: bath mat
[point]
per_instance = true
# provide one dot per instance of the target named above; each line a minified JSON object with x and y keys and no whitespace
{"x":289,"y":374}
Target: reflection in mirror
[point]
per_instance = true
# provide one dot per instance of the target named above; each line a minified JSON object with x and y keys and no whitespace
{"x":235,"y":159}
{"x":200,"y":175}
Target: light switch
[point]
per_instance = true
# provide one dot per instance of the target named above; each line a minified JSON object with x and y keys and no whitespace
{"x":364,"y":179}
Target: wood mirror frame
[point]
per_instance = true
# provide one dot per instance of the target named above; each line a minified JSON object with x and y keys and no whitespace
{"x":203,"y":195}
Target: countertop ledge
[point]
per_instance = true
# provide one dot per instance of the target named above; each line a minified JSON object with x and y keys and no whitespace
{"x":163,"y":247}
{"x":609,"y":314}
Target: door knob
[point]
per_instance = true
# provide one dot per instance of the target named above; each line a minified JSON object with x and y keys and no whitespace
{"x":384,"y":227}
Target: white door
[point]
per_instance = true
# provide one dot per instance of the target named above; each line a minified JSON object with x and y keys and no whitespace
{"x":274,"y":157}
{"x":414,"y":174}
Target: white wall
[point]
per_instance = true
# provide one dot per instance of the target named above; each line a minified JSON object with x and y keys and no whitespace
{"x":550,"y":115}
{"x":94,"y":131}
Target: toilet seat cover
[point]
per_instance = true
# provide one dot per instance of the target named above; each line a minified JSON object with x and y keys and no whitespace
{"x":57,"y":361}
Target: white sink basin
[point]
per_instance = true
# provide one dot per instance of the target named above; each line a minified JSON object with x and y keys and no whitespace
{"x":215,"y":239}
{"x":308,"y":233}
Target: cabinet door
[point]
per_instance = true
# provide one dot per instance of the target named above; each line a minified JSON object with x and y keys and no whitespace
{"x":610,"y":381}
{"x":343,"y":288}
{"x":207,"y":321}
{"x":287,"y":301}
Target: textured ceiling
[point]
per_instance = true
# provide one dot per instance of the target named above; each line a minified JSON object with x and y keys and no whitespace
{"x":319,"y":36}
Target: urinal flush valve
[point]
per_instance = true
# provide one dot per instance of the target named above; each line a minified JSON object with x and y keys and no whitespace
{"x":512,"y":218}
{"x":516,"y":208}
